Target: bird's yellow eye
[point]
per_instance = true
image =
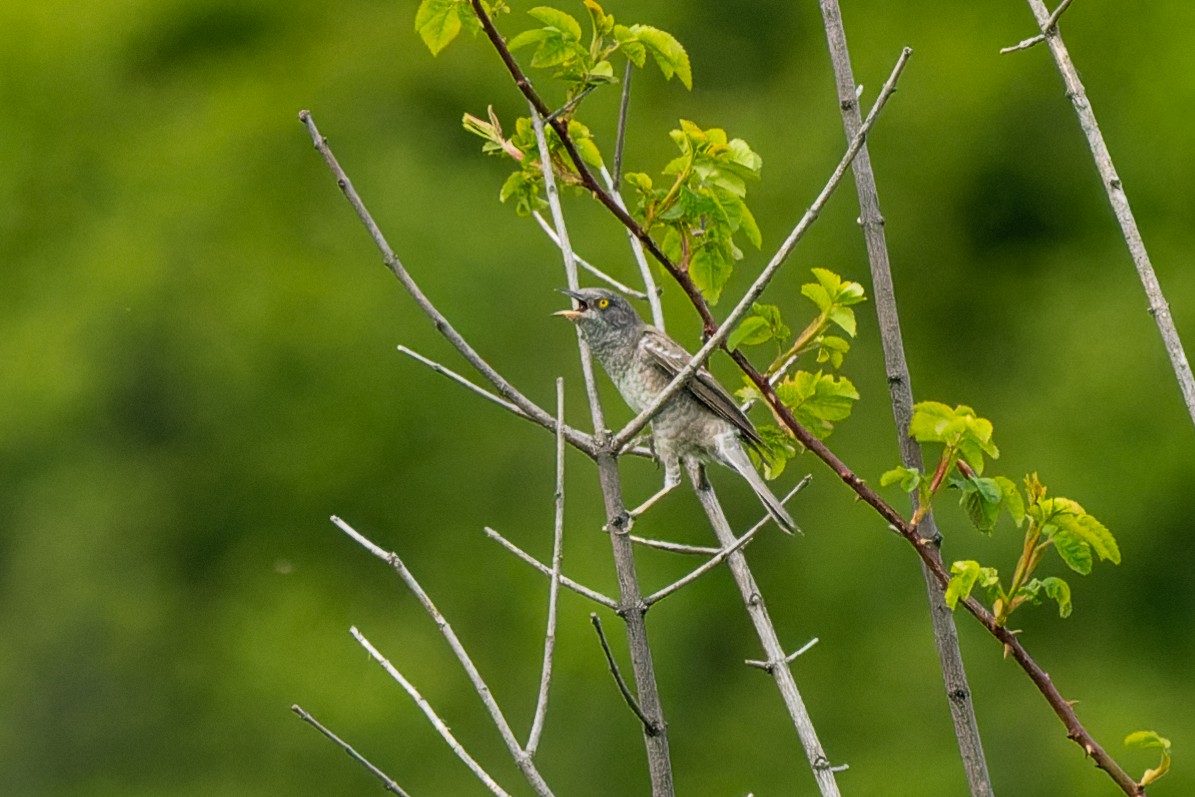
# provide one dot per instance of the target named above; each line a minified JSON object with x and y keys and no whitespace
{"x":603,"y":304}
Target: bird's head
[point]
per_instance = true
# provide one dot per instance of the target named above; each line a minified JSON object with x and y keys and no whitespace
{"x":599,"y":310}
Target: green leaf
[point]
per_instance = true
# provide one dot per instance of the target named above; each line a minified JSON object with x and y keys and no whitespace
{"x":751,"y":331}
{"x":818,"y":400}
{"x":932,"y":422}
{"x":1054,"y":588}
{"x":982,"y":499}
{"x":555,"y":18}
{"x":630,"y":45}
{"x":832,"y":349}
{"x":1074,"y":551}
{"x":1148,"y":739}
{"x":710,"y":269}
{"x":818,"y":295}
{"x":668,"y":53}
{"x":909,"y":478}
{"x":438,"y":22}
{"x":843,"y":317}
{"x":1011,"y":500}
{"x":532,"y":36}
{"x":1077,"y":528}
{"x":780,"y":448}
{"x":965,"y":575}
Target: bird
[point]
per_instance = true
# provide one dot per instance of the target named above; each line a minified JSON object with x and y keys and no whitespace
{"x":701,"y":423}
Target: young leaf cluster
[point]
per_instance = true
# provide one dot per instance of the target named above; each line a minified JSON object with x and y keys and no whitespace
{"x":438,"y":22}
{"x":817,"y":399}
{"x":1050,"y":523}
{"x":524,"y":186}
{"x":559,"y":44}
{"x":700,"y":205}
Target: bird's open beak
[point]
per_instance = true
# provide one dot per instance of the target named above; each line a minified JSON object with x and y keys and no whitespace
{"x":571,"y":315}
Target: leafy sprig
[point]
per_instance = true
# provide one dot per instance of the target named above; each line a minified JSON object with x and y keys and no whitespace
{"x":1050,"y":523}
{"x":818,"y":400}
{"x":701,"y":207}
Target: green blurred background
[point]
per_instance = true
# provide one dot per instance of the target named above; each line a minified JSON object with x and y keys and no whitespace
{"x":199,"y":367}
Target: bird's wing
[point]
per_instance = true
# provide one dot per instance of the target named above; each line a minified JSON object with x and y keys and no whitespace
{"x":670,"y":357}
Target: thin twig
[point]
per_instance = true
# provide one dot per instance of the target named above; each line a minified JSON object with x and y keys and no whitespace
{"x":585,"y":264}
{"x":387,"y":783}
{"x":761,"y":282}
{"x":1119,"y":200}
{"x":565,"y":581}
{"x":620,"y":136}
{"x":541,"y":703}
{"x":430,"y":713}
{"x":526,"y":766}
{"x":649,"y":281}
{"x":768,"y":666}
{"x":722,"y":553}
{"x":507,"y":390}
{"x":676,"y":547}
{"x":900,"y":391}
{"x":648,"y":725}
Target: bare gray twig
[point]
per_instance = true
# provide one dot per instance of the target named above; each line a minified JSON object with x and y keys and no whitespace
{"x":431,"y":714}
{"x":648,"y":725}
{"x":630,"y":608}
{"x":761,"y":282}
{"x":768,"y":666}
{"x":1158,"y":307}
{"x":541,"y":703}
{"x":387,"y":783}
{"x":565,"y":581}
{"x":585,"y":264}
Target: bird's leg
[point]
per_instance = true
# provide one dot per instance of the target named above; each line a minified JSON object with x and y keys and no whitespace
{"x":671,"y":479}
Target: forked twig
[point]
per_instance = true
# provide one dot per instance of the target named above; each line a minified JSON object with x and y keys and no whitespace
{"x":524,"y":762}
{"x":507,"y":390}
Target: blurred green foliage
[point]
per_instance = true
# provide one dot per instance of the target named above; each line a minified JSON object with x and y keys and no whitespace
{"x":197,"y":345}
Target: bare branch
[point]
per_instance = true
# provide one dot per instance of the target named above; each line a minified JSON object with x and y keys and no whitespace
{"x":649,"y":726}
{"x":387,"y":783}
{"x":479,"y":685}
{"x":722,"y":553}
{"x":900,"y":390}
{"x":585,"y":264}
{"x":507,"y":390}
{"x":565,"y":581}
{"x":1158,"y":307}
{"x":430,"y":712}
{"x":761,"y":282}
{"x":1049,"y":26}
{"x":541,"y":703}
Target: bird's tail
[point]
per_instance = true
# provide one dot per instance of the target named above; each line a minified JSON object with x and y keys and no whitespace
{"x":734,"y":456}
